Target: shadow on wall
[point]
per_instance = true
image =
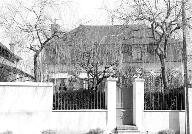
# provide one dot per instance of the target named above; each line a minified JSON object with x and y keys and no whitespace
{"x":7,"y":132}
{"x":174,"y":122}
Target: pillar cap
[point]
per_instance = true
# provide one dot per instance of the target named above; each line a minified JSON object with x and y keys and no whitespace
{"x":139,"y":80}
{"x":112,"y":79}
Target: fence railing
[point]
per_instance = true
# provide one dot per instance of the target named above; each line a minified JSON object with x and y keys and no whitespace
{"x":79,"y":99}
{"x":157,"y":98}
{"x":173,"y":99}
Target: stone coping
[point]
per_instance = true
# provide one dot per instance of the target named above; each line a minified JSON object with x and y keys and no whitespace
{"x":139,"y":80}
{"x":164,"y":111}
{"x":27,"y":84}
{"x":82,"y":110}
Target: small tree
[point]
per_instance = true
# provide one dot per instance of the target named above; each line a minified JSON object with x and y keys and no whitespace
{"x":100,"y":60}
{"x":31,"y":24}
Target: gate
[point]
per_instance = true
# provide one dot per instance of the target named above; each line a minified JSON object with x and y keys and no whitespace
{"x":124,"y":102}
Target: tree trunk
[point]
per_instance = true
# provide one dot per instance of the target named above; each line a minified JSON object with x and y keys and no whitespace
{"x":88,"y":82}
{"x":163,"y":71}
{"x":164,"y":78}
{"x":35,"y":67}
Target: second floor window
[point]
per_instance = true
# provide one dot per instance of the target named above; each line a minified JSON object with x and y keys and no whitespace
{"x":127,"y":49}
{"x":151,"y":49}
{"x":137,"y":53}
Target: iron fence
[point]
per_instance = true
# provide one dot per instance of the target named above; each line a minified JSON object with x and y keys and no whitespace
{"x":77,"y":99}
{"x":157,"y":98}
{"x":173,"y":99}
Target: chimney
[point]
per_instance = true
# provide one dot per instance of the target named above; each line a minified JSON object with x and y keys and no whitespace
{"x":12,"y":47}
{"x":54,"y":27}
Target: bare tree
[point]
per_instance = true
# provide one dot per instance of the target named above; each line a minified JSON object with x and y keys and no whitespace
{"x":99,"y":62}
{"x":164,"y":17}
{"x":32,"y":24}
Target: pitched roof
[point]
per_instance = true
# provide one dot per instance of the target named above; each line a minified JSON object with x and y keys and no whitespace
{"x":14,"y":70}
{"x":12,"y":54}
{"x":128,"y":34}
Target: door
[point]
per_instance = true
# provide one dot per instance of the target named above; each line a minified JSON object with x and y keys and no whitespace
{"x":124,"y":102}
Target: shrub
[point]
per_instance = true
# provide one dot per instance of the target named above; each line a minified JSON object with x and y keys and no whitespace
{"x":169,"y":131}
{"x":7,"y":132}
{"x":48,"y":131}
{"x":95,"y":131}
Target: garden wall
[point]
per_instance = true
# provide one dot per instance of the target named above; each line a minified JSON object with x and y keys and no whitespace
{"x":154,"y":120}
{"x":77,"y":121}
{"x":26,"y":108}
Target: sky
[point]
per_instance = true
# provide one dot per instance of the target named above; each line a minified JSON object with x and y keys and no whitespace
{"x":74,"y":12}
{"x":86,"y":12}
{"x":69,"y":15}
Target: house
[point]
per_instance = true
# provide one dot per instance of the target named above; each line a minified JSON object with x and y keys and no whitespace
{"x":138,"y":48}
{"x":138,"y":51}
{"x":114,"y":109}
{"x":8,"y":66}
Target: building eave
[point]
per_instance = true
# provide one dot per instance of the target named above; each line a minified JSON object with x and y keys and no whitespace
{"x":12,"y":54}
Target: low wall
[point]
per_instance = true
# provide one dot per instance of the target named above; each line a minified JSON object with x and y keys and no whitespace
{"x":155,"y":121}
{"x":25,"y":97}
{"x":65,"y":122}
{"x":78,"y":122}
{"x":23,"y":105}
{"x":26,"y":108}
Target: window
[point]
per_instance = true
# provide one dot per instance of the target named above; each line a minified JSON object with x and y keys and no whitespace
{"x":137,"y":53}
{"x":1,"y":49}
{"x":150,"y":49}
{"x":127,"y":49}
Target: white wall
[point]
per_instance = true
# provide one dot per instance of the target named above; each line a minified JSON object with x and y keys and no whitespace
{"x":26,"y":108}
{"x":25,"y":97}
{"x":21,"y":103}
{"x":155,"y":121}
{"x":78,"y":121}
{"x":65,"y":122}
